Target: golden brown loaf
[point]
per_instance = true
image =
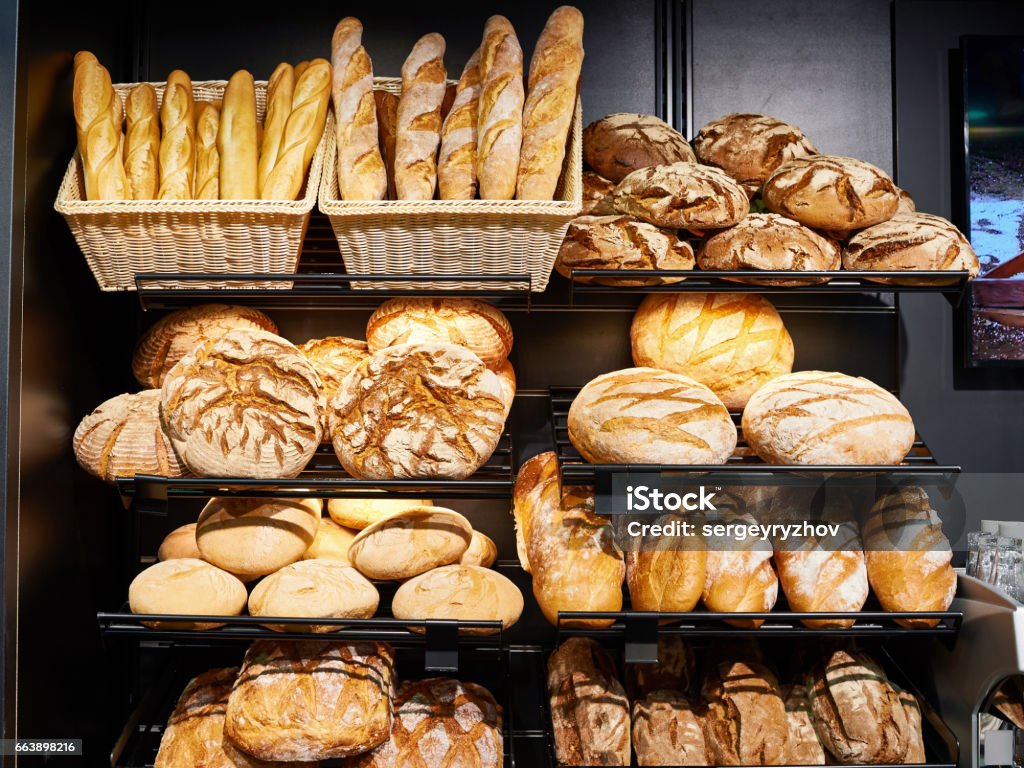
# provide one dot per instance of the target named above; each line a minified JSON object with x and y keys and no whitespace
{"x":124,"y":437}
{"x":440,"y":722}
{"x":178,"y":139}
{"x":236,"y":140}
{"x":911,"y":241}
{"x":675,"y":669}
{"x":280,"y":90}
{"x":419,"y":119}
{"x":142,"y":142}
{"x":417,"y":411}
{"x":333,"y":357}
{"x":803,"y":747}
{"x":476,"y":325}
{"x":99,"y":132}
{"x":387,"y":128}
{"x":767,"y":241}
{"x":482,"y":551}
{"x":682,"y":196}
{"x":247,"y":404}
{"x":595,"y":189}
{"x":908,"y":555}
{"x":589,"y":709}
{"x":185,"y":585}
{"x":624,"y":142}
{"x":621,"y":242}
{"x":331,"y":541}
{"x":460,"y":593}
{"x":319,"y":589}
{"x":361,"y":172}
{"x":817,"y":417}
{"x":831,"y":192}
{"x":507,"y":379}
{"x":500,"y":111}
{"x":311,"y":700}
{"x":740,"y":577}
{"x":456,"y":163}
{"x":746,"y":718}
{"x":175,"y":335}
{"x":731,"y":343}
{"x":550,"y":103}
{"x":302,"y":132}
{"x":668,"y":730}
{"x":666,"y":573}
{"x":359,"y":513}
{"x":252,"y":537}
{"x":207,"y":181}
{"x":650,"y":416}
{"x":181,"y":542}
{"x":409,"y":543}
{"x":749,"y":147}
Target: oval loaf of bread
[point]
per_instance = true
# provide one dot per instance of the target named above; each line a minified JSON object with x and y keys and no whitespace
{"x":682,"y":196}
{"x":321,"y":589}
{"x":359,"y":513}
{"x":185,"y":585}
{"x":408,"y":543}
{"x":460,"y":592}
{"x":623,"y":142}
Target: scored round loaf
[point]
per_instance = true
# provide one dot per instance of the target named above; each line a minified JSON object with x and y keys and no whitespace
{"x":476,"y":325}
{"x":650,"y":416}
{"x":595,"y":189}
{"x":417,"y":411}
{"x":666,"y":573}
{"x":623,"y":142}
{"x":186,"y":586}
{"x":507,"y":379}
{"x":740,"y":577}
{"x":247,"y":404}
{"x":175,"y":335}
{"x":831,"y":192}
{"x":767,"y":241}
{"x":733,"y":343}
{"x":482,"y":551}
{"x":817,"y":417}
{"x":253,"y":537}
{"x":359,"y":513}
{"x":323,"y":589}
{"x":331,"y":541}
{"x":749,"y":147}
{"x":911,"y":241}
{"x":124,"y":437}
{"x":181,"y":542}
{"x":311,"y":700}
{"x":333,"y":357}
{"x":682,"y":196}
{"x":460,"y":593}
{"x":621,"y":242}
{"x":408,"y":543}
{"x":668,"y":730}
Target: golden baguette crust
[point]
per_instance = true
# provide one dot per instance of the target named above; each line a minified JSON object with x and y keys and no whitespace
{"x":550,"y":103}
{"x":682,"y":196}
{"x":623,"y":142}
{"x":142,"y":145}
{"x":280,"y":90}
{"x":302,"y":132}
{"x":98,"y":117}
{"x":460,"y":592}
{"x":207,"y":155}
{"x":419,"y":119}
{"x":456,"y":164}
{"x":500,"y":112}
{"x":178,"y":139}
{"x":237,"y":142}
{"x":387,"y":128}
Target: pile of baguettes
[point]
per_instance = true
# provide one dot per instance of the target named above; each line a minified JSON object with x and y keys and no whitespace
{"x":189,"y":150}
{"x":754,"y":194}
{"x":296,"y":703}
{"x":841,"y":708}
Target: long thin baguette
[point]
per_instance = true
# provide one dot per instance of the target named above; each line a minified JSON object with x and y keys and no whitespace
{"x":236,"y":140}
{"x":500,"y":119}
{"x":419,"y":119}
{"x":550,"y":103}
{"x":301,"y":67}
{"x":100,"y":141}
{"x":142,"y":146}
{"x":387,"y":127}
{"x":178,"y":142}
{"x":280,"y":90}
{"x":207,"y":155}
{"x":456,"y":164}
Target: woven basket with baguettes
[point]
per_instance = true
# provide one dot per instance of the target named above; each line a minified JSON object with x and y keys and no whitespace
{"x":123,"y":238}
{"x":454,"y":237}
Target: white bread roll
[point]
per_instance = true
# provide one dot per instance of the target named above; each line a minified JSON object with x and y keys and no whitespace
{"x":321,"y":589}
{"x":411,"y":542}
{"x":461,"y":593}
{"x":186,"y":586}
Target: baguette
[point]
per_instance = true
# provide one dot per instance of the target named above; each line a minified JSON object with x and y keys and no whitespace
{"x":142,"y":146}
{"x":500,"y":118}
{"x":177,"y":145}
{"x":280,"y":89}
{"x":456,"y":165}
{"x":207,"y":155}
{"x":419,"y":119}
{"x":550,"y":104}
{"x":236,"y":140}
{"x":387,"y":124}
{"x":99,"y":135}
{"x":301,"y":67}
{"x":302,"y":132}
{"x":361,"y":173}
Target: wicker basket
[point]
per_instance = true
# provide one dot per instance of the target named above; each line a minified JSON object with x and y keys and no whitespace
{"x":122,"y":238}
{"x":454,"y":237}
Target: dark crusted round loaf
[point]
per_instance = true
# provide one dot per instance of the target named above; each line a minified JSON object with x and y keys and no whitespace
{"x":682,"y":196}
{"x":623,"y":142}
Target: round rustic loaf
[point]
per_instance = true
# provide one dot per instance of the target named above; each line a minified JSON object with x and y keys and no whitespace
{"x":331,"y":542}
{"x":507,"y":379}
{"x":470,"y":323}
{"x":621,"y":242}
{"x":623,"y":142}
{"x":831,"y":192}
{"x":461,"y":593}
{"x":247,"y":404}
{"x":767,"y":241}
{"x":482,"y":551}
{"x":253,"y":537}
{"x":186,"y":586}
{"x":359,"y":513}
{"x":408,"y":543}
{"x":124,"y":437}
{"x":175,"y":335}
{"x":666,"y":573}
{"x":595,"y":189}
{"x":749,"y":147}
{"x":732,"y":343}
{"x":650,"y":416}
{"x":333,"y":357}
{"x":911,"y":241}
{"x":816,"y":417}
{"x":322,"y":589}
{"x":682,"y":196}
{"x":417,"y":411}
{"x":181,"y":542}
